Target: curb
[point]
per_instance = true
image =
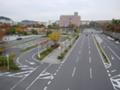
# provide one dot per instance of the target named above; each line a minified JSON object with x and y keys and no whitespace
{"x":107,"y":65}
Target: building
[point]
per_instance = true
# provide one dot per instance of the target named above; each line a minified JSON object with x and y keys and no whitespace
{"x":85,"y":22}
{"x":66,"y":20}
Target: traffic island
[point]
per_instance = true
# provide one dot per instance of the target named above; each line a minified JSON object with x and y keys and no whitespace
{"x":46,"y":52}
{"x":66,"y":50}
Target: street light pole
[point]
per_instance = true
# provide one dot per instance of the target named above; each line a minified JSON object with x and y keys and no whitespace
{"x":8,"y":66}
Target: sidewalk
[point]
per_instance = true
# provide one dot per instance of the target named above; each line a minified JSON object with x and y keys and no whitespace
{"x":52,"y":57}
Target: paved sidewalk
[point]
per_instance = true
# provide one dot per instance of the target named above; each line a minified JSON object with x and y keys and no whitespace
{"x":52,"y":57}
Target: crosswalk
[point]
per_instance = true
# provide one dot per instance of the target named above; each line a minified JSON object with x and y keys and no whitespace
{"x":25,"y":71}
{"x":116,"y":82}
{"x":46,"y":75}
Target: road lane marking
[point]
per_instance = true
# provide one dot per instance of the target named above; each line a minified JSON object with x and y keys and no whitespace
{"x":108,"y":71}
{"x":89,"y":59}
{"x":112,"y":57}
{"x":89,"y":52}
{"x":18,"y":62}
{"x":114,"y":53}
{"x":49,"y":82}
{"x":22,"y":79}
{"x":73,"y":73}
{"x":31,"y":63}
{"x":33,"y":57}
{"x":37,"y":77}
{"x":45,"y":88}
{"x":90,"y":73}
{"x":68,"y":89}
{"x":113,"y":70}
{"x":54,"y":74}
{"x":109,"y":75}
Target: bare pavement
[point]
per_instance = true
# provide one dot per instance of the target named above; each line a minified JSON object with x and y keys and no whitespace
{"x":82,"y":69}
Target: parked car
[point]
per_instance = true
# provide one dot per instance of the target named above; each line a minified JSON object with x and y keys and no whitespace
{"x":19,"y":38}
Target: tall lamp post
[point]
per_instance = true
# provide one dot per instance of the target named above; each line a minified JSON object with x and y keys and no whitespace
{"x":8,"y":66}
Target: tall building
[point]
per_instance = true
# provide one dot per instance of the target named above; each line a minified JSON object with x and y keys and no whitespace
{"x":66,"y":20}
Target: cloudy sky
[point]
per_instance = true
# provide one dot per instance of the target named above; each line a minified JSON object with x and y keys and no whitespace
{"x":44,"y":10}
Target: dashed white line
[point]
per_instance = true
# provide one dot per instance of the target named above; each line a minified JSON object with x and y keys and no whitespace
{"x":37,"y":77}
{"x":89,"y":59}
{"x":45,"y":88}
{"x":22,"y":79}
{"x":54,"y":74}
{"x":49,"y":82}
{"x":73,"y":73}
{"x":57,"y":70}
{"x":112,"y":57}
{"x":113,"y":70}
{"x":90,"y":73}
{"x":68,"y":89}
{"x":89,"y":52}
{"x":114,"y":53}
{"x":108,"y":71}
{"x":109,"y":75}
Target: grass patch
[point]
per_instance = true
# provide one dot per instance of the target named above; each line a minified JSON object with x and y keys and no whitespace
{"x":62,"y":55}
{"x":46,"y":52}
{"x":4,"y":64}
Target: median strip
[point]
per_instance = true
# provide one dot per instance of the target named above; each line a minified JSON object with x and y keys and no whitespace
{"x":102,"y":54}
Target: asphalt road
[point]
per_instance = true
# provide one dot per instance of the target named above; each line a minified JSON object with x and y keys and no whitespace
{"x":82,"y":69}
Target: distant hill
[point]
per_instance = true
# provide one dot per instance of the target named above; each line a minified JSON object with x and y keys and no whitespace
{"x":5,"y":18}
{"x":28,"y":22}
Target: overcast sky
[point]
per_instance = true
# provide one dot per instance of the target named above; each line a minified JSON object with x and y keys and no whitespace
{"x":44,"y":10}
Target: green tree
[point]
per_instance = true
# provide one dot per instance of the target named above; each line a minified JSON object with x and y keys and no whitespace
{"x":55,"y":37}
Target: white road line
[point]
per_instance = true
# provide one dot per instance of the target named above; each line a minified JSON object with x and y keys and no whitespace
{"x":113,"y":70}
{"x":89,"y":59}
{"x":17,"y":60}
{"x":90,"y":73}
{"x":49,"y":82}
{"x":68,"y":89}
{"x":89,"y":52}
{"x":37,"y":77}
{"x":109,"y":75}
{"x":57,"y":70}
{"x":112,"y":57}
{"x":108,"y":71}
{"x":114,"y":53}
{"x":54,"y":74}
{"x":45,"y":88}
{"x":22,"y":80}
{"x":73,"y":73}
{"x":35,"y":58}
